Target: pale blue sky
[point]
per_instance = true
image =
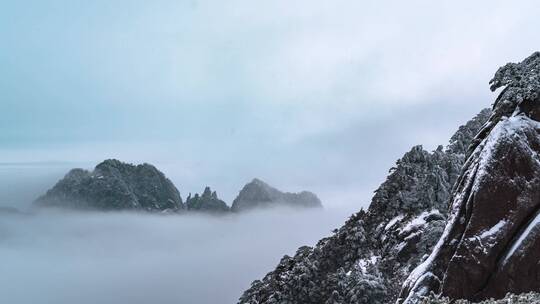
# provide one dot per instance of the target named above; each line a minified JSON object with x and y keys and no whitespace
{"x":323,"y":95}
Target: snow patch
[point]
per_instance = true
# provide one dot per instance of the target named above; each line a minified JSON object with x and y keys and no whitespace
{"x":400,"y":246}
{"x":363,"y":264}
{"x":493,"y":230}
{"x":418,"y":221}
{"x":517,"y":244}
{"x":393,"y":221}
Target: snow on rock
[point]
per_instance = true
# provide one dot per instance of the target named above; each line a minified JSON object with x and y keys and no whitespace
{"x":365,"y":263}
{"x":493,"y":230}
{"x":417,"y":222}
{"x":529,"y":233}
{"x":393,"y":221}
{"x":491,"y":243}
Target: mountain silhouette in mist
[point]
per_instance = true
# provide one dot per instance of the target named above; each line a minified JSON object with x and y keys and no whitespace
{"x":115,"y":185}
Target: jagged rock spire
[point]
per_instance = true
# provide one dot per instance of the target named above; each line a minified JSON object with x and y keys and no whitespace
{"x":521,"y":81}
{"x":521,"y":90}
{"x":207,"y":202}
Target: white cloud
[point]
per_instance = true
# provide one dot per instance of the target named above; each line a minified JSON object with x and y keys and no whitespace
{"x":108,"y":258}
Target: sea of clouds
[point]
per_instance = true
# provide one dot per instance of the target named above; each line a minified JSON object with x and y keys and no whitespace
{"x":54,"y":256}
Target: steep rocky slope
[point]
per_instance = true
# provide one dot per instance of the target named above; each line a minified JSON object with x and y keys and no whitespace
{"x":114,"y":185}
{"x":208,"y":201}
{"x":258,"y":194}
{"x":367,"y":259}
{"x":491,"y":244}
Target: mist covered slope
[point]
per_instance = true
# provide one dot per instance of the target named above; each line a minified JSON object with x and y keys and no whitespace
{"x":367,"y":259}
{"x":114,"y":185}
{"x":66,"y":256}
{"x":258,"y":194}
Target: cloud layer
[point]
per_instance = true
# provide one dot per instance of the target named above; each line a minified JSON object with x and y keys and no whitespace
{"x":56,"y":257}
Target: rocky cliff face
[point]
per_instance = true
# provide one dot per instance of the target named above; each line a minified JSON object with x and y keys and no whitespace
{"x":258,"y":194}
{"x":367,"y":259}
{"x":114,"y":185}
{"x":491,"y":244}
{"x":207,"y":202}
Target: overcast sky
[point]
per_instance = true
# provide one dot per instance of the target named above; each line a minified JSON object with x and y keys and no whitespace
{"x":321,"y":95}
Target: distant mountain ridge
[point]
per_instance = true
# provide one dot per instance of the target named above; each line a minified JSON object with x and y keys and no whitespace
{"x":115,"y":185}
{"x":258,"y":194}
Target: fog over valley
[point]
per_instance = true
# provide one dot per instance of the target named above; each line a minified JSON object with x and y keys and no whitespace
{"x":137,"y":257}
{"x":91,"y":257}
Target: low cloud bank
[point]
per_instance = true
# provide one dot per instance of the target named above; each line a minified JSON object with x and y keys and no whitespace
{"x":72,"y":257}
